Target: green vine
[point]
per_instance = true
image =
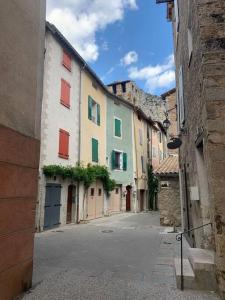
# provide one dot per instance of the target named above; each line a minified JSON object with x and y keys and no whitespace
{"x":152,"y":188}
{"x":79,"y":173}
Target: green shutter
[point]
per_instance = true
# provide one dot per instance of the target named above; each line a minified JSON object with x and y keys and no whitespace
{"x":94,"y":150}
{"x":124,"y":161}
{"x":117,"y":128}
{"x":98,"y":114}
{"x":113,"y":160}
{"x":89,"y":108}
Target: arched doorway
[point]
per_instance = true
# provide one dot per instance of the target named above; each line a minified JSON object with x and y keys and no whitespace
{"x":71,"y":204}
{"x":128,"y":198}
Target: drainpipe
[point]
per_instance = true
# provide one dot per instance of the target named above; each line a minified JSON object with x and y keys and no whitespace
{"x":79,"y":140}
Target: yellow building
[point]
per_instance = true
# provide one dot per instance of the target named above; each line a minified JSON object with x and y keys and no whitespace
{"x":92,"y":141}
{"x":93,"y":121}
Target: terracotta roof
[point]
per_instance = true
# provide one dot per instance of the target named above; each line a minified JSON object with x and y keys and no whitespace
{"x":169,"y":166}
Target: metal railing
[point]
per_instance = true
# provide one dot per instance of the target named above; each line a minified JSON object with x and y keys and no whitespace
{"x":179,"y":238}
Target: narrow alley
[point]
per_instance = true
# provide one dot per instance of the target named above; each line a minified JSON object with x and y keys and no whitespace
{"x":125,"y":256}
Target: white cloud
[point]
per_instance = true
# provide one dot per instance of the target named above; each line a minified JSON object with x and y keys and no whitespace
{"x":158,"y":76}
{"x":79,"y":20}
{"x":130,"y":58}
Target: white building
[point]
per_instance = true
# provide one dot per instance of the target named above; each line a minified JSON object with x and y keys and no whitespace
{"x":59,"y":133}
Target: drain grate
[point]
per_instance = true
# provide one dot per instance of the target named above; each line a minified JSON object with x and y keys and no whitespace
{"x":57,"y":231}
{"x":107,"y":231}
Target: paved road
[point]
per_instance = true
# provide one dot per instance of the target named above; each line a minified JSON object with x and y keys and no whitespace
{"x":126,"y":256}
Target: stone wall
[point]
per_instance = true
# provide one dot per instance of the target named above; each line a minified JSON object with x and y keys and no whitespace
{"x":21,"y":64}
{"x":203,"y":135}
{"x":169,"y":201}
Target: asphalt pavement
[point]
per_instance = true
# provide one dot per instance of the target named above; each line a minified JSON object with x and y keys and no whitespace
{"x":125,"y":256}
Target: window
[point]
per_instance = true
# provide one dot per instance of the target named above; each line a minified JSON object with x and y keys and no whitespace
{"x":117,"y":191}
{"x":124,"y":87}
{"x":94,"y":150}
{"x":94,"y":85}
{"x":160,"y":137}
{"x":92,"y":191}
{"x":63,"y":144}
{"x":99,"y":192}
{"x":93,"y":111}
{"x":154,"y":152}
{"x":140,"y":137}
{"x":117,"y":128}
{"x":67,"y":61}
{"x":142,"y":164}
{"x":114,"y":88}
{"x":65,"y":93}
{"x":119,"y":160}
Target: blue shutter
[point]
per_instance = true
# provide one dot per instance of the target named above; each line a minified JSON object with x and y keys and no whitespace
{"x":124,"y":161}
{"x":113,"y":160}
{"x":89,"y":108}
{"x":94,"y":150}
{"x":98,"y":114}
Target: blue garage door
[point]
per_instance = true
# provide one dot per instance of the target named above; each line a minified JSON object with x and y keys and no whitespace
{"x":52,"y":205}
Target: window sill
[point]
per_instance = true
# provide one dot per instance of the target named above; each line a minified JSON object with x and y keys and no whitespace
{"x":65,"y":104}
{"x":63,"y":156}
{"x":67,"y":67}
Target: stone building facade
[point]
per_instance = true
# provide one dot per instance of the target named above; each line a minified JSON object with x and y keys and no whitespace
{"x":169,"y":191}
{"x":21,"y":62}
{"x":199,"y":42}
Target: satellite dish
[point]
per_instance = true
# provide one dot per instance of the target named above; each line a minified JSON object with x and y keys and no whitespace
{"x":174,"y":143}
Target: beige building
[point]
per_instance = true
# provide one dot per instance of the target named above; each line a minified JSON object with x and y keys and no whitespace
{"x":21,"y":62}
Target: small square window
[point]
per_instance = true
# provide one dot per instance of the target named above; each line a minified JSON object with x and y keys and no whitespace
{"x":117,"y":191}
{"x":99,"y":192}
{"x":92,"y":191}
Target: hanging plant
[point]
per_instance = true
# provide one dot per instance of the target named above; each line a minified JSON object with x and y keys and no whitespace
{"x":79,"y":173}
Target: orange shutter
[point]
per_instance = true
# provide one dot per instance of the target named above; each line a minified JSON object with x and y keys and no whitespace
{"x":64,"y":144}
{"x":67,"y":61}
{"x":65,"y":93}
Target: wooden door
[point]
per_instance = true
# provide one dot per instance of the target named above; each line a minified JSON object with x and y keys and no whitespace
{"x":128,"y":200}
{"x":142,"y":193}
{"x":69,"y":204}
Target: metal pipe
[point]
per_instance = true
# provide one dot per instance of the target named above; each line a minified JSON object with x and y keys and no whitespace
{"x":181,"y":264}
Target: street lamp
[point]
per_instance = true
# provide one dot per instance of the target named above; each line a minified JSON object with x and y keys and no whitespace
{"x":166,"y":123}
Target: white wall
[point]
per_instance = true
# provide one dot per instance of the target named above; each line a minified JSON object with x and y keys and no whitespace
{"x":54,"y":114}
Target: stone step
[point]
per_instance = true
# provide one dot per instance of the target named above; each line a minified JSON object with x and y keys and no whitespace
{"x":201,"y":259}
{"x":188,"y":274}
{"x":203,"y":264}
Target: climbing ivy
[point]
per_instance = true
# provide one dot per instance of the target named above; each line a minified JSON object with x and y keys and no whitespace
{"x":152,"y":187}
{"x":79,"y":173}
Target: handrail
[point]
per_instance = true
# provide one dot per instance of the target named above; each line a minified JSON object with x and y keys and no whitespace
{"x":179,"y":238}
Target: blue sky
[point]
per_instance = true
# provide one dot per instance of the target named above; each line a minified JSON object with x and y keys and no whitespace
{"x":120,"y":39}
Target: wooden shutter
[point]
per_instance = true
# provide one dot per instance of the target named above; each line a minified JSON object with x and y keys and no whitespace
{"x":63,"y":144}
{"x":190,"y":43}
{"x":65,"y":93}
{"x":67,"y":61}
{"x":124,"y":161}
{"x":98,"y":114}
{"x":113,"y":160}
{"x":94,"y":150}
{"x":176,"y":9}
{"x":89,"y":108}
{"x":117,"y":127}
{"x":181,"y":97}
{"x":142,"y":164}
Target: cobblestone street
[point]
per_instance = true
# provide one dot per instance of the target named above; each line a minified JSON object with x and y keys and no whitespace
{"x":126,"y":256}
